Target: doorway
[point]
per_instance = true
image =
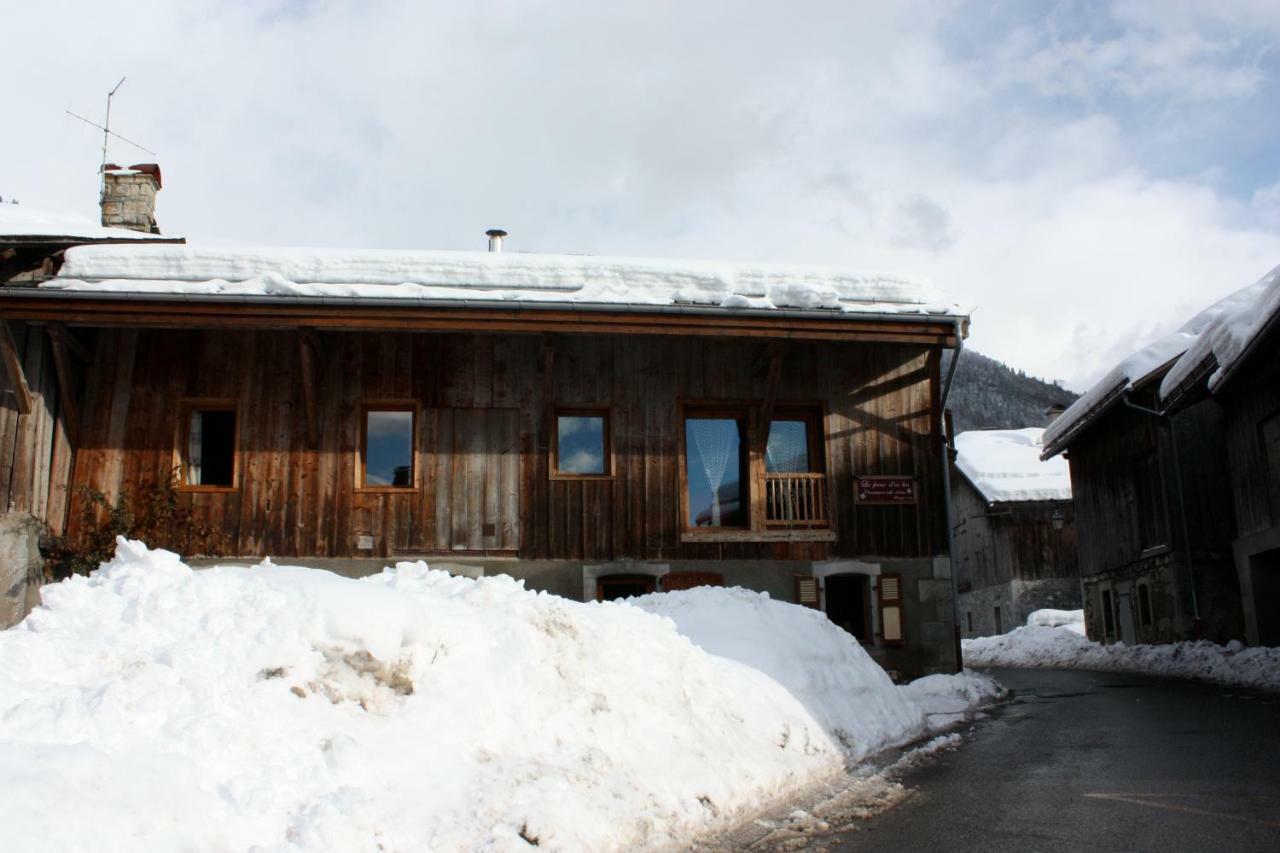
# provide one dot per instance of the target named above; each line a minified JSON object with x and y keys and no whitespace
{"x":1264,"y":569}
{"x":849,"y":604}
{"x":1124,"y":608}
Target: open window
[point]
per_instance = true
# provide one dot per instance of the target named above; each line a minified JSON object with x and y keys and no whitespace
{"x":207,"y":445}
{"x":795,"y":482}
{"x":583,"y":447}
{"x":387,"y":457}
{"x":716,"y":468}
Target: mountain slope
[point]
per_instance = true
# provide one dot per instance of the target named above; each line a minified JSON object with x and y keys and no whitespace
{"x":988,"y":394}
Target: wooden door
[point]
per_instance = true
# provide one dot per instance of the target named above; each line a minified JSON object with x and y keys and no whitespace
{"x":476,"y":479}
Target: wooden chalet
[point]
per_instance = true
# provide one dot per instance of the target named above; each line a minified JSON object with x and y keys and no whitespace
{"x":1013,"y":531}
{"x":1235,"y":364}
{"x":597,"y":427}
{"x":1170,"y":476}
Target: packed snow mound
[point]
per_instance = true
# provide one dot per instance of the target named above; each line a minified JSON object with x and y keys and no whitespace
{"x":487,"y":277}
{"x":1005,"y":465}
{"x":1033,"y":647}
{"x":277,"y":708}
{"x":951,"y":699}
{"x":1072,"y":620}
{"x":818,"y":662}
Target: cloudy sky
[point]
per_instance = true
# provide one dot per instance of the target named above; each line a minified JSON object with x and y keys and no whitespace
{"x":1083,"y":176}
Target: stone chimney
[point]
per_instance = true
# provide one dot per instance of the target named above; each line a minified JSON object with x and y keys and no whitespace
{"x":129,"y":197}
{"x":1053,"y":411}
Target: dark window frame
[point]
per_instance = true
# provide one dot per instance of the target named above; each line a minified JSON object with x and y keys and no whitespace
{"x":1144,"y":605}
{"x":362,"y":447}
{"x":745,"y":414}
{"x":186,"y":407}
{"x":553,"y":463}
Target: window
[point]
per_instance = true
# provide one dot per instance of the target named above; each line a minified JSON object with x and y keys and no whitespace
{"x":998,"y":621}
{"x":715,"y":469}
{"x":387,"y":447}
{"x":1144,"y":604}
{"x":795,"y":487}
{"x":969,"y":616}
{"x":582,"y":444}
{"x":891,"y":609}
{"x":1108,"y":617}
{"x":614,"y":587}
{"x":207,"y":447}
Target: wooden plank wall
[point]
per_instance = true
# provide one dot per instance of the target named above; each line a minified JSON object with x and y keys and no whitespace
{"x":1253,"y":423}
{"x":482,"y":398}
{"x":997,"y":544}
{"x":35,"y":455}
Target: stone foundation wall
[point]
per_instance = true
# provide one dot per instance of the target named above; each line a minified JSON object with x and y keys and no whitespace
{"x":21,"y":567}
{"x":1017,"y":600}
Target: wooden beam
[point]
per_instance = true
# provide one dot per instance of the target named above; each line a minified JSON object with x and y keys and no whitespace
{"x":13,"y":369}
{"x":67,"y":403}
{"x":938,"y":331}
{"x":776,"y":350}
{"x":59,"y":332}
{"x":308,"y":361}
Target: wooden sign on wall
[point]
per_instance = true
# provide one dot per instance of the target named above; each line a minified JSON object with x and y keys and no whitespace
{"x":885,"y":490}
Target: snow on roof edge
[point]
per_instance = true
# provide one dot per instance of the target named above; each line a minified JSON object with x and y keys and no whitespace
{"x":20,"y":223}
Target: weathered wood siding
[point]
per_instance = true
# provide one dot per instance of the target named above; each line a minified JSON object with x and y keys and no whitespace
{"x":35,"y":455}
{"x":1252,"y":404}
{"x":1015,"y":541}
{"x":483,"y":438}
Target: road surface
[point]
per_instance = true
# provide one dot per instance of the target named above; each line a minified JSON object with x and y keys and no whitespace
{"x":1097,"y":762}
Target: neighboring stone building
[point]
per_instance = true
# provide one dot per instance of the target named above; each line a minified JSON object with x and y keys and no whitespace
{"x":1013,"y":530}
{"x":40,"y":374}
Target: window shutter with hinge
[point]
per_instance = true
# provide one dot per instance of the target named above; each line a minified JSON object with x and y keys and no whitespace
{"x":807,"y":591}
{"x":891,"y":610}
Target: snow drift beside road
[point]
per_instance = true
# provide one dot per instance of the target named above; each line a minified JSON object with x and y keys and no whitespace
{"x":1034,"y":647}
{"x":276,"y":708}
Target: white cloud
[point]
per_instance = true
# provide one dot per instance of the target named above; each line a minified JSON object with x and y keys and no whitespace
{"x":835,"y":133}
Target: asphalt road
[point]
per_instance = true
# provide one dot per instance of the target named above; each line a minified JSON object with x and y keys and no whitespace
{"x":1098,"y":762}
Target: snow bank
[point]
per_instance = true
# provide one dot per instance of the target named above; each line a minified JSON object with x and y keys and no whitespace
{"x":1045,"y":647}
{"x":18,"y":220}
{"x":1005,"y":465}
{"x":1229,"y":333}
{"x":819,"y":663}
{"x":486,"y":277}
{"x":278,"y":708}
{"x":1072,"y":620}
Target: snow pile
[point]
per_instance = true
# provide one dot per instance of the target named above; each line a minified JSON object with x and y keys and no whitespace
{"x":1146,"y":361}
{"x":950,"y":699}
{"x":1229,"y":333}
{"x":1063,"y":648}
{"x":1004,"y":465}
{"x":485,"y":277}
{"x":819,"y":663}
{"x":20,"y":221}
{"x":280,"y":708}
{"x":1072,"y":620}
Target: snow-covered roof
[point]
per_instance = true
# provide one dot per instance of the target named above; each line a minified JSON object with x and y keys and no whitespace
{"x":1141,"y":365}
{"x":25,"y":224}
{"x":1004,"y":465}
{"x":486,"y":277}
{"x":1229,"y":334}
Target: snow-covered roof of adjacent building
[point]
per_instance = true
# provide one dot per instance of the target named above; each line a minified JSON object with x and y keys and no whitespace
{"x":1229,"y":335}
{"x":486,"y":278}
{"x":19,"y":223}
{"x":1148,"y":361}
{"x":1004,"y":465}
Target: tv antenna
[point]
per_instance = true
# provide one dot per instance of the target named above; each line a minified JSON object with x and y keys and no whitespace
{"x":107,"y":132}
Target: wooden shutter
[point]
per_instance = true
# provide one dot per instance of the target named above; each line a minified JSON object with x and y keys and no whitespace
{"x":891,"y":610}
{"x":807,"y":591}
{"x":674,"y":581}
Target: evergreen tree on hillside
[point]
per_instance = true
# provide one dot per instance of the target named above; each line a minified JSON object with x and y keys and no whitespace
{"x":990,"y":395}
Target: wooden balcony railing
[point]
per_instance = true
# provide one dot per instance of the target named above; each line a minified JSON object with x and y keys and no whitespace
{"x":796,"y":500}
